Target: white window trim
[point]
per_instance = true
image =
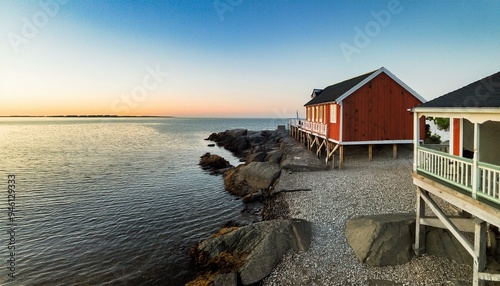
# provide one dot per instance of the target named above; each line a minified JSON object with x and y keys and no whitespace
{"x":333,"y":113}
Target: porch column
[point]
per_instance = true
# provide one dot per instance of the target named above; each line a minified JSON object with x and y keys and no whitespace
{"x":416,"y":139}
{"x":475,"y":162}
{"x":451,"y":148}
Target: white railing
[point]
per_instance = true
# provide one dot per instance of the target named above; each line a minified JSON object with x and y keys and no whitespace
{"x":454,"y":170}
{"x":314,"y":127}
{"x":459,"y":172}
{"x":295,"y":122}
{"x":489,"y":182}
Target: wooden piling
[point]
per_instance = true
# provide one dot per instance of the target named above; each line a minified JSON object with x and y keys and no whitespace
{"x":341,"y":156}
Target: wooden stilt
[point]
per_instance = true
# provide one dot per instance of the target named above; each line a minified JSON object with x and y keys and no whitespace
{"x":395,"y":151}
{"x":333,"y":162}
{"x":327,"y":152}
{"x":370,"y":149}
{"x":419,"y":246}
{"x":332,"y":154}
{"x":447,"y":223}
{"x":320,"y":146}
{"x":479,"y":251}
{"x":312,"y":142}
{"x":483,"y":214}
{"x":341,"y":156}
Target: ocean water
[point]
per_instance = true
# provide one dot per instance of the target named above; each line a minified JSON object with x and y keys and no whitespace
{"x":114,"y":201}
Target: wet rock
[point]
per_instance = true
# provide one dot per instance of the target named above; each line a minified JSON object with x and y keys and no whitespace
{"x":212,"y":137}
{"x":213,"y":163}
{"x":233,"y":140}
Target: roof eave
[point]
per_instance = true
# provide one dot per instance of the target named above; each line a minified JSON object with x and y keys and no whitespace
{"x":320,"y":103}
{"x":452,"y":110}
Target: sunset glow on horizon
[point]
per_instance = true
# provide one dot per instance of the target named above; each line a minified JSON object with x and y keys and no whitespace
{"x":241,"y":59}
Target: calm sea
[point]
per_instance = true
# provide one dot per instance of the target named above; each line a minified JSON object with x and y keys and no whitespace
{"x":114,"y":201}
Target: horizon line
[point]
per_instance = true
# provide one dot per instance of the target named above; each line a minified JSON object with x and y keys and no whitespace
{"x":88,"y":115}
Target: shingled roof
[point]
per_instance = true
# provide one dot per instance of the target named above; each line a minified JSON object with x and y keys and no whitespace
{"x":482,"y":93}
{"x":332,"y":92}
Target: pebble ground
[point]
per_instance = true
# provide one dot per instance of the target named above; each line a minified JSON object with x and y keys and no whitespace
{"x":361,"y":187}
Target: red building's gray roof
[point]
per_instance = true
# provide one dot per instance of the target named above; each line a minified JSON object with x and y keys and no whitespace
{"x":332,"y":92}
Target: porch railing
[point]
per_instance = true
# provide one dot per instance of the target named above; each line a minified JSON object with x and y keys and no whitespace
{"x":314,"y":127}
{"x":490,"y":182}
{"x":296,"y":122}
{"x":459,"y":172}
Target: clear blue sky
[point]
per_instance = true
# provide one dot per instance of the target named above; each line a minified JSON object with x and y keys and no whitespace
{"x":231,"y":58}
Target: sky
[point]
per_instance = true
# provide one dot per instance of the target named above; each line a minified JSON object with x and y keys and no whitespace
{"x":231,"y":58}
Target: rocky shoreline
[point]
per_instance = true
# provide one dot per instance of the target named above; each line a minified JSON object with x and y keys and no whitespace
{"x":353,"y":234}
{"x":245,"y":254}
{"x":265,"y":155}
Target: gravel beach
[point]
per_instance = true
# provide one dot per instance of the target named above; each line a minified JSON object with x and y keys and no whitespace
{"x":383,"y":185}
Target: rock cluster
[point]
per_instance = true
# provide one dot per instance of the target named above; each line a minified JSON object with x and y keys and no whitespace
{"x":275,"y":147}
{"x":248,"y":253}
{"x":266,"y":153}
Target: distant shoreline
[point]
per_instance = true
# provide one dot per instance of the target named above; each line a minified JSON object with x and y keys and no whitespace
{"x":89,"y":116}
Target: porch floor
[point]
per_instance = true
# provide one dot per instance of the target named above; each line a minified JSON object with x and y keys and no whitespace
{"x":481,"y":208}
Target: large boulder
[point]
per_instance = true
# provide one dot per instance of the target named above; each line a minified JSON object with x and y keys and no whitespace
{"x":249,"y":178}
{"x":440,"y":242}
{"x":381,"y":240}
{"x":254,"y":250}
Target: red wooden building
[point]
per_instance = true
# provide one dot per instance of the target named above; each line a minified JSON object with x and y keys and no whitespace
{"x":372,"y":108}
